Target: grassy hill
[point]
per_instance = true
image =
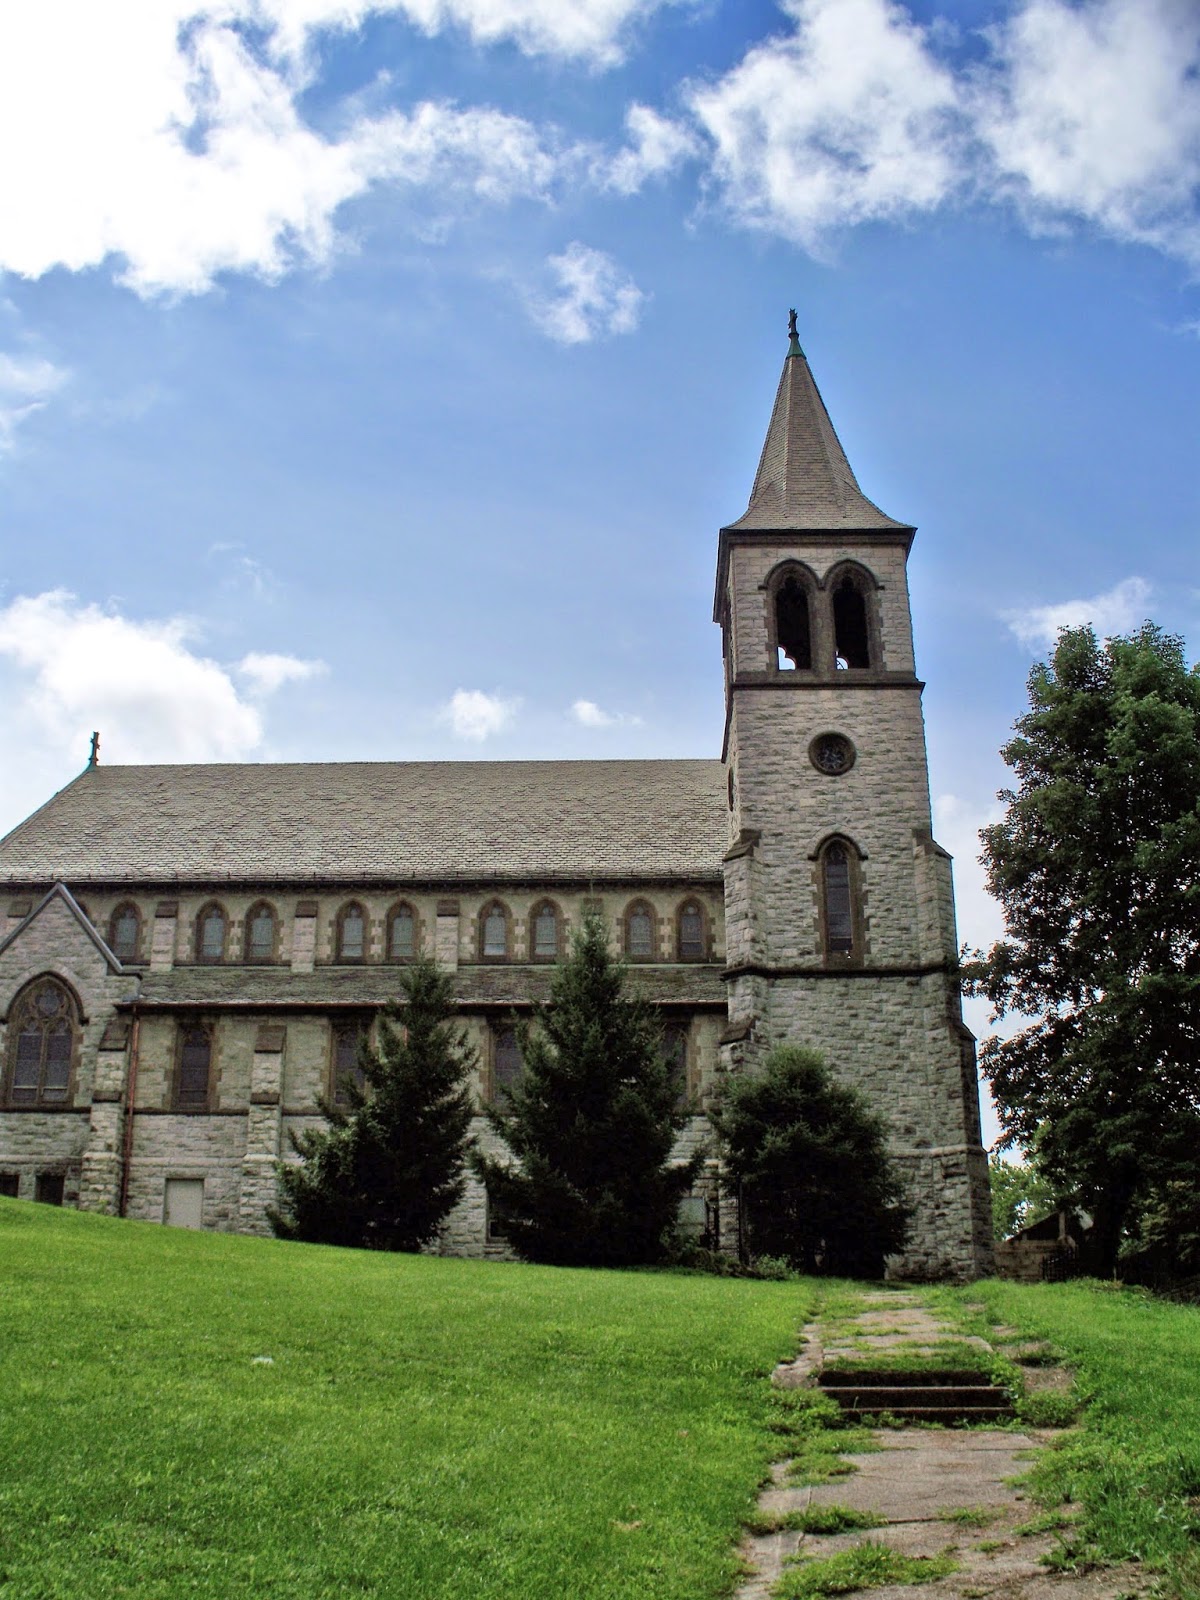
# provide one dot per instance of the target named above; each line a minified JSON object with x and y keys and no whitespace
{"x":191,"y":1414}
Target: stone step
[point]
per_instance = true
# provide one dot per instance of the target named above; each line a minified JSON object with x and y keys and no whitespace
{"x":939,"y":1398}
{"x":899,"y":1378}
{"x":946,"y":1415}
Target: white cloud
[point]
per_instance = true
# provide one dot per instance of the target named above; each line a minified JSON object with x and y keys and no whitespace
{"x":74,"y":667}
{"x":589,"y":29}
{"x":656,"y":147}
{"x":472,"y":714}
{"x":1093,"y":111}
{"x":593,"y":297}
{"x":850,"y":118}
{"x":590,"y":715}
{"x":1116,"y":611}
{"x":161,"y":139}
{"x":267,"y":673}
{"x":26,"y":383}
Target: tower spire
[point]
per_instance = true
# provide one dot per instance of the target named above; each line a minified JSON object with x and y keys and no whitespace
{"x":804,"y":480}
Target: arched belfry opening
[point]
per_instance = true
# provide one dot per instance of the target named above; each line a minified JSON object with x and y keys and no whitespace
{"x":851,"y":633}
{"x":793,"y":625}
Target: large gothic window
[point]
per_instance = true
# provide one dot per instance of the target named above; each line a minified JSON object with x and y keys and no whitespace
{"x":793,"y":625}
{"x":124,"y":932}
{"x":43,"y":1033}
{"x":838,"y":895}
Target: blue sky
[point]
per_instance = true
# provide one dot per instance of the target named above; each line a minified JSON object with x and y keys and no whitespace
{"x":374,"y":377}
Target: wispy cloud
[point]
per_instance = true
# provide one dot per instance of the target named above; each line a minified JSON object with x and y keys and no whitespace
{"x":592,"y":297}
{"x":590,"y":715}
{"x":471,"y":714}
{"x":26,"y":383}
{"x":656,"y":147}
{"x":1115,"y":611}
{"x":266,"y":673}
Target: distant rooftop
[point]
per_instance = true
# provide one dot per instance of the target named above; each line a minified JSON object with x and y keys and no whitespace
{"x":379,"y":821}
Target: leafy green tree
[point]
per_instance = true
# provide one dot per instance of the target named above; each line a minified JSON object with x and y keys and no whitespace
{"x":1097,"y":867}
{"x":811,"y":1162}
{"x":390,"y":1166}
{"x":591,"y":1125}
{"x":1021,"y":1194}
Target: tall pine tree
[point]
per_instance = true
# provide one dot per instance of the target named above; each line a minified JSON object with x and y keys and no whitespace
{"x":591,"y":1125}
{"x":390,"y":1166}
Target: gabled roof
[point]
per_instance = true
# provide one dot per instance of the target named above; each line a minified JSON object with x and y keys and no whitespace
{"x":380,"y":821}
{"x":59,"y":891}
{"x":804,"y":480}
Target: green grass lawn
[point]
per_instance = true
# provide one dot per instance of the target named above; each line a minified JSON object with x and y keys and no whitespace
{"x":201,"y":1415}
{"x":1133,"y":1470}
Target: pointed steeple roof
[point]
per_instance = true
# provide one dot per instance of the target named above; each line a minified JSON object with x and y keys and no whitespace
{"x":804,"y":480}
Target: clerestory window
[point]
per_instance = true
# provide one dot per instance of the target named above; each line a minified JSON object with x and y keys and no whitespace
{"x":544,"y":943}
{"x":639,"y":932}
{"x":260,"y":933}
{"x":210,"y":934}
{"x":402,"y":933}
{"x":493,"y":933}
{"x":125,"y":932}
{"x":691,"y":932}
{"x":351,"y":933}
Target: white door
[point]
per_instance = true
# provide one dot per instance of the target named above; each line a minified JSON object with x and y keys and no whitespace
{"x":183,"y":1206}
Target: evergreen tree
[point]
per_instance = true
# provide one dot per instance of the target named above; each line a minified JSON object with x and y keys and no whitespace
{"x":810,"y":1159}
{"x":1097,"y":867}
{"x":390,"y":1166}
{"x":591,"y":1124}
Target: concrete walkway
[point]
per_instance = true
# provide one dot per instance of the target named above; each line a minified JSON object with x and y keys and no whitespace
{"x":934,"y":1490}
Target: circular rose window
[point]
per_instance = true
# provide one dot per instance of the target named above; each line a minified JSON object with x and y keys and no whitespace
{"x":832,"y":754}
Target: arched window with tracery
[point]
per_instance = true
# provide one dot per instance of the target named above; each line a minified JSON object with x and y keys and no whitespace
{"x":194,"y":1070}
{"x":351,"y":932}
{"x":851,"y":622}
{"x":690,"y":938}
{"x":493,"y":932}
{"x":544,"y":932}
{"x":402,"y":933}
{"x":125,"y":932}
{"x":261,"y":928}
{"x":211,"y":928}
{"x":508,"y":1065}
{"x":43,"y":1036}
{"x":639,"y":931}
{"x":838,"y":895}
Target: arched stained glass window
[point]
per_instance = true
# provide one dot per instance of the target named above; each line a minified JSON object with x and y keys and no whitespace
{"x":545,"y":933}
{"x":352,"y":933}
{"x":691,"y":932}
{"x":210,"y":934}
{"x":508,"y":1068}
{"x":494,"y":933}
{"x":675,"y":1053}
{"x":839,"y":900}
{"x":124,"y":932}
{"x":402,"y":934}
{"x":639,"y":932}
{"x":195,"y":1062}
{"x":260,"y":934}
{"x":42,"y":1031}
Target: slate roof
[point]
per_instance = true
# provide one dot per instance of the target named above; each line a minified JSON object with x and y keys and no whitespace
{"x":804,"y":480}
{"x":380,"y":821}
{"x":261,"y":988}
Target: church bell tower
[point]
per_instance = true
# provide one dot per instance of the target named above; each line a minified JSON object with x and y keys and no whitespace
{"x":839,"y":909}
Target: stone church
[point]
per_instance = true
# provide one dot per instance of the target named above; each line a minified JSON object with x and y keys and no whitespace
{"x":192,"y":952}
